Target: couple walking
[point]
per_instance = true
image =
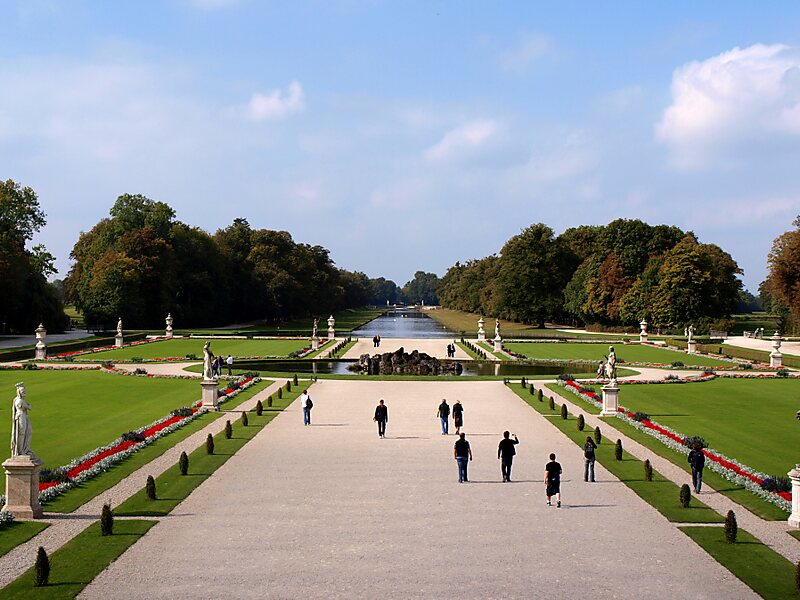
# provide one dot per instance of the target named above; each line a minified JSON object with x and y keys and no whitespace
{"x":505,"y":453}
{"x":451,"y":350}
{"x":443,"y":412}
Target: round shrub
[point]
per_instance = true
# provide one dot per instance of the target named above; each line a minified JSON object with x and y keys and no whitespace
{"x":539,"y":394}
{"x":731,"y":528}
{"x":686,"y":495}
{"x":618,"y":449}
{"x":564,"y":411}
{"x":295,"y":379}
{"x":269,"y":400}
{"x":245,"y":420}
{"x":183,"y":463}
{"x":533,"y":390}
{"x":648,"y":470}
{"x":259,"y":408}
{"x":523,"y":383}
{"x":598,"y":437}
{"x":42,"y":568}
{"x":581,"y":422}
{"x":228,"y":429}
{"x":288,"y":386}
{"x":552,"y":403}
{"x":106,"y":521}
{"x":150,"y":488}
{"x":210,"y":444}
{"x":280,"y":394}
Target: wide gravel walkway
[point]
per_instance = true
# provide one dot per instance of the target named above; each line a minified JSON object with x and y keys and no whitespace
{"x":433,"y":347}
{"x":332,"y":511}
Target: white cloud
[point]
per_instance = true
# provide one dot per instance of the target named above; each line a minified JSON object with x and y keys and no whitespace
{"x":463,"y":140}
{"x":572,"y":156}
{"x":277,"y":104}
{"x":739,"y":104}
{"x":530,"y":49}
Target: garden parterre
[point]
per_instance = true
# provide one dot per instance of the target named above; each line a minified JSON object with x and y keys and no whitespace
{"x":181,"y":347}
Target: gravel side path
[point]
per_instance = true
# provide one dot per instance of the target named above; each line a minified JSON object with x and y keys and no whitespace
{"x":772,"y":533}
{"x":436,"y":347}
{"x":332,"y":511}
{"x":66,"y":526}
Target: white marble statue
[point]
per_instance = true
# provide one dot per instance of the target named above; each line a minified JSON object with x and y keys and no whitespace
{"x":316,"y":328}
{"x":208,"y":361}
{"x":497,"y":329}
{"x":690,"y":332}
{"x":611,"y":364}
{"x":20,"y":424}
{"x":119,"y":326}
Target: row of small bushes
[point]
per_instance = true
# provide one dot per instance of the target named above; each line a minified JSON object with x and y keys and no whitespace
{"x":480,"y":353}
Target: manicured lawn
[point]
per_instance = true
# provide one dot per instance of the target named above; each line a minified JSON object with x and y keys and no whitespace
{"x":625,"y":352}
{"x":79,"y":561}
{"x":182,"y":347}
{"x":18,"y":533}
{"x":74,"y":412}
{"x":768,"y":573}
{"x":795,"y":533}
{"x":661,"y":493}
{"x":752,"y":421}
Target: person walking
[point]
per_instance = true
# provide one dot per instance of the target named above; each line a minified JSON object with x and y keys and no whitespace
{"x":381,"y":418}
{"x":458,"y":416}
{"x":444,"y":414}
{"x":463,"y":454}
{"x":589,"y":456}
{"x":697,"y":460}
{"x":306,"y":404}
{"x":374,"y":341}
{"x":505,"y":453}
{"x":229,"y":362}
{"x":552,"y":481}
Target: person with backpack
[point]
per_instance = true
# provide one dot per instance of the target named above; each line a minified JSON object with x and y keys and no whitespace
{"x":589,"y":457}
{"x":443,"y":413}
{"x":306,"y":404}
{"x":506,"y":452}
{"x":697,"y":460}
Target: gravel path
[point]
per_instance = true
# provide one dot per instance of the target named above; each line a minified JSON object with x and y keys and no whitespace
{"x":332,"y":511}
{"x":66,"y":526}
{"x":432,"y":347}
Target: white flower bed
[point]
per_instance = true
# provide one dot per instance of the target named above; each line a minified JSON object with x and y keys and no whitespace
{"x":6,"y":518}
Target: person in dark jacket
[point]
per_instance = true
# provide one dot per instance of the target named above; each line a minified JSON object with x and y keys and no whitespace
{"x":443,"y":413}
{"x":506,"y":452}
{"x":381,"y":418}
{"x":462,"y":453}
{"x":697,"y":460}
{"x":458,"y":416}
{"x":589,"y":457}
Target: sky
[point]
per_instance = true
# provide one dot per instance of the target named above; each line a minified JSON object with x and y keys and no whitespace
{"x":406,"y":136}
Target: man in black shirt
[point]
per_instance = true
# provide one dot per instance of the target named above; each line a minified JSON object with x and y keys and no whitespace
{"x":462,"y":453}
{"x":697,"y":460}
{"x":443,"y":412}
{"x":381,"y":418}
{"x":506,"y":452}
{"x":552,"y":480}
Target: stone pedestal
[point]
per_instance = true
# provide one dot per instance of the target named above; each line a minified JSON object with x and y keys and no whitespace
{"x":331,"y":329}
{"x":481,"y":330}
{"x":118,"y":341}
{"x":691,"y":347}
{"x":794,"y":518}
{"x":315,"y":343}
{"x":610,"y":399}
{"x":41,"y":347}
{"x":497,"y":344}
{"x":775,"y":357}
{"x":22,"y":487}
{"x":210,"y":400}
{"x":643,"y":332}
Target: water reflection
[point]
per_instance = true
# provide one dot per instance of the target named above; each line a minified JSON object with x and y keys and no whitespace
{"x":404,"y":324}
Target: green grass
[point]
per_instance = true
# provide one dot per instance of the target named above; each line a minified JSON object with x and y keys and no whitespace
{"x":762,"y":569}
{"x":469,"y":352}
{"x":795,"y":533}
{"x":172,"y":487}
{"x":178,"y":348}
{"x":625,"y":353}
{"x":76,"y":411}
{"x":17,"y":533}
{"x":78,"y":562}
{"x":589,"y":407}
{"x":661,"y":493}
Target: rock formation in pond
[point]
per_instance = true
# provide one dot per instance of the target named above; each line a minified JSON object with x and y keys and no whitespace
{"x":400,"y":362}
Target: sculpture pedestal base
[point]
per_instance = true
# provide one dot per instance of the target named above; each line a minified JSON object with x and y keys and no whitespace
{"x":41,"y":353}
{"x":642,"y":338}
{"x":22,"y":487}
{"x":168,"y":333}
{"x":776,"y":360}
{"x":315,"y":343}
{"x":210,"y":399}
{"x":331,"y":334}
{"x":497,"y":344}
{"x":118,"y":341}
{"x":794,"y":519}
{"x":691,"y":347}
{"x":481,"y":336}
{"x":610,"y":400}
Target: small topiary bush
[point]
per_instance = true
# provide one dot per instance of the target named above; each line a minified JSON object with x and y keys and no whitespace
{"x":564,"y":412}
{"x":280,"y":394}
{"x":689,"y":442}
{"x":523,"y":383}
{"x":640,"y":416}
{"x":598,"y":437}
{"x":686,"y":495}
{"x":533,"y":391}
{"x":210,"y":444}
{"x":260,"y":408}
{"x":581,"y":423}
{"x":618,"y":449}
{"x":183,"y":463}
{"x":648,"y":470}
{"x":552,"y":403}
{"x":228,"y":429}
{"x":245,"y":420}
{"x":42,"y":568}
{"x":288,"y":386}
{"x":269,"y":400}
{"x":107,"y":521}
{"x":150,"y":488}
{"x":294,"y":379}
{"x":731,"y":528}
{"x":539,"y":395}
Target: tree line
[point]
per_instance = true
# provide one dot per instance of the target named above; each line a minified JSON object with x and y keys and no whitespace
{"x":606,"y":275}
{"x":780,"y":291}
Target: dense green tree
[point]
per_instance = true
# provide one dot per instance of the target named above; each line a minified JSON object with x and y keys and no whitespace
{"x":781,"y":289}
{"x":422,"y":288}
{"x":382,"y":290}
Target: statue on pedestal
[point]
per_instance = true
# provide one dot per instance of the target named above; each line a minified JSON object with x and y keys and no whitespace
{"x":20,"y":424}
{"x":316,"y":328}
{"x":119,"y":327}
{"x":611,"y":364}
{"x":208,"y":362}
{"x":497,"y":329}
{"x":690,"y":333}
{"x":169,"y":321}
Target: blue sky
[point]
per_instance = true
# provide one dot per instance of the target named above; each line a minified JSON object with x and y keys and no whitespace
{"x":408,"y":135}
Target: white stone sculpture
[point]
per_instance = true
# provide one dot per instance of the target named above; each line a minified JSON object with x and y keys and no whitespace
{"x":331,"y":329}
{"x":41,"y":346}
{"x":497,"y":329}
{"x":775,"y":357}
{"x":611,"y":364}
{"x":643,"y":332}
{"x":208,"y":361}
{"x":316,"y":328}
{"x":169,"y":320}
{"x":119,"y":326}
{"x":691,"y":343}
{"x":794,"y":518}
{"x":118,"y":341}
{"x":21,"y":429}
{"x":690,"y":333}
{"x":481,"y":330}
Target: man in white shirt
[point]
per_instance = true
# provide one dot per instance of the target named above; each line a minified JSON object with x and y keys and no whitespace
{"x":306,"y":404}
{"x":229,"y":362}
